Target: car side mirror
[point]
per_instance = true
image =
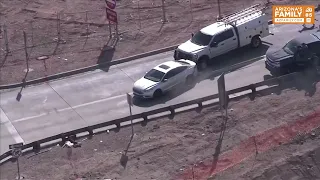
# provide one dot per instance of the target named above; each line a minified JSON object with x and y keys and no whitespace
{"x":213,"y":44}
{"x":165,"y":80}
{"x":192,"y":34}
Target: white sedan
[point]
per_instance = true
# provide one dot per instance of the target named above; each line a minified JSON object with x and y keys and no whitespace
{"x":164,"y":77}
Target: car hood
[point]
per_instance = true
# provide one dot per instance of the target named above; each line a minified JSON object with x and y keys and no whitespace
{"x":190,"y":47}
{"x":144,"y":83}
{"x":277,"y":54}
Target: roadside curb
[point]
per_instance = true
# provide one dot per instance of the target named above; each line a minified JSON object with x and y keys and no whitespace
{"x":88,"y":68}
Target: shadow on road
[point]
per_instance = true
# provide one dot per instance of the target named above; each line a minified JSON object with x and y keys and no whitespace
{"x":19,"y":95}
{"x":306,"y":82}
{"x":229,"y":59}
{"x":305,"y":28}
{"x":238,"y":56}
{"x":106,"y":54}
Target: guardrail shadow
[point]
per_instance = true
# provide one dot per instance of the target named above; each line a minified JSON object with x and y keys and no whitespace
{"x":306,"y":82}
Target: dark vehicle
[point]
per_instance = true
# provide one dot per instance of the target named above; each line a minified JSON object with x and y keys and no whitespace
{"x":297,"y":55}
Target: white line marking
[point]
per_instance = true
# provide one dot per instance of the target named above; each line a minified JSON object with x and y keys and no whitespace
{"x":68,"y":108}
{"x":45,"y":100}
{"x":98,"y":101}
{"x":12,"y":130}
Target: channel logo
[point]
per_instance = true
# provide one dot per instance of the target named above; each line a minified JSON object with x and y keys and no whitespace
{"x":297,"y":14}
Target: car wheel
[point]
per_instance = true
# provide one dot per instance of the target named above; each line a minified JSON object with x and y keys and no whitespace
{"x":202,"y":64}
{"x":275,"y":74}
{"x":176,"y":55}
{"x":190,"y":80}
{"x":256,"y":41}
{"x":157,"y":93}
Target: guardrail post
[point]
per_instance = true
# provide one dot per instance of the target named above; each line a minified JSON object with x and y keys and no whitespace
{"x":253,"y":91}
{"x":145,"y":120}
{"x":280,"y":86}
{"x":89,"y":129}
{"x":172,"y":112}
{"x":118,"y":127}
{"x":63,"y":138}
{"x":199,"y":108}
{"x":253,"y":88}
{"x":36,"y":146}
{"x":72,"y":137}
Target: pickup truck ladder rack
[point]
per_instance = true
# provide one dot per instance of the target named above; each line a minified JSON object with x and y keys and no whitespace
{"x":231,"y":18}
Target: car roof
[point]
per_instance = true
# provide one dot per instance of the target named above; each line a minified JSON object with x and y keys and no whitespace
{"x":308,"y":38}
{"x":167,"y":66}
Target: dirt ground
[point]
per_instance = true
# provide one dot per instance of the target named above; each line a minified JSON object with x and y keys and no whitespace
{"x":295,"y":160}
{"x":84,"y":31}
{"x":258,"y":133}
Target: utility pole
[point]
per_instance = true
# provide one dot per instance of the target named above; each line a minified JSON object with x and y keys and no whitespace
{"x":219,"y":10}
{"x":164,"y":19}
{"x":26,"y":50}
{"x":5,"y":34}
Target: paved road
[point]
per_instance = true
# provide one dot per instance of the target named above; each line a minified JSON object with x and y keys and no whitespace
{"x":99,"y":96}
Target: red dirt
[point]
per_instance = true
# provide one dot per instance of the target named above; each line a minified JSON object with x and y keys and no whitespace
{"x":253,"y":145}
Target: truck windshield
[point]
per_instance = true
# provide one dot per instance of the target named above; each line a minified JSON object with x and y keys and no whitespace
{"x":201,"y":39}
{"x":292,"y":46}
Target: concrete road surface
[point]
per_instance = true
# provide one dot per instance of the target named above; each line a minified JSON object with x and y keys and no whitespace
{"x":94,"y":97}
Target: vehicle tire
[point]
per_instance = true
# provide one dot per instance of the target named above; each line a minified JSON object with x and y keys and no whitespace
{"x":175,"y":56}
{"x":202,"y":63}
{"x":157,"y":93}
{"x":275,"y":74}
{"x":256,"y":42}
{"x":190,"y":80}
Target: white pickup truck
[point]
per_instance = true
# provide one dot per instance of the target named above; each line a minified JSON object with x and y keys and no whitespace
{"x":233,"y":31}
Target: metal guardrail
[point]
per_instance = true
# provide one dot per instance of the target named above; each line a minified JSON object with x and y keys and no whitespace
{"x":36,"y":146}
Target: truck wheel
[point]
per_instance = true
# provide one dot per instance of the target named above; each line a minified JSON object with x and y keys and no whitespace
{"x":256,"y":41}
{"x":202,"y":63}
{"x":175,"y":56}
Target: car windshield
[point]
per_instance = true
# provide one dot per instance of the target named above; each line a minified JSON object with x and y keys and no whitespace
{"x":292,"y":46}
{"x":201,"y":39}
{"x":154,"y":75}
